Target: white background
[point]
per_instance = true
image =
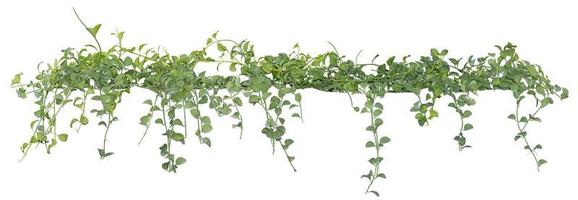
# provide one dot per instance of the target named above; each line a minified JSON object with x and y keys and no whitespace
{"x":420,"y":162}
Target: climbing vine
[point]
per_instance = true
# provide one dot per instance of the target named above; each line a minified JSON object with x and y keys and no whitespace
{"x":184,"y":92}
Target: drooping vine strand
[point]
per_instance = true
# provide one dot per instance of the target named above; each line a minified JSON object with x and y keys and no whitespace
{"x":459,"y":104}
{"x":182,"y":86}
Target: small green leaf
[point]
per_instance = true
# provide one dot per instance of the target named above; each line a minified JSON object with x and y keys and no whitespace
{"x":21,"y":92}
{"x":104,"y":154}
{"x":221,"y":47}
{"x":180,"y":161}
{"x":232,"y":67}
{"x":369,"y":144}
{"x":517,"y":137}
{"x":378,"y":122}
{"x":144,"y":120}
{"x":384,"y":140}
{"x":206,"y":128}
{"x":83,"y":120}
{"x":237,"y":101}
{"x":16,"y":79}
{"x":206,"y":141}
{"x":433,"y":113}
{"x":63,"y":137}
{"x":94,"y":30}
{"x":177,"y":136}
{"x":546,"y":101}
{"x":195,"y":113}
{"x":148,"y":102}
{"x":298,"y":97}
{"x":288,"y":143}
{"x":467,"y":114}
{"x":254,"y":99}
{"x":541,"y":162}
{"x":370,"y":129}
{"x":468,"y":127}
{"x":564,"y":94}
{"x":375,"y":193}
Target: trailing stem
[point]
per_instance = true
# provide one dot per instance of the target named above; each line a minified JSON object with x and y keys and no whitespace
{"x":521,"y":124}
{"x":375,"y":110}
{"x":149,"y":117}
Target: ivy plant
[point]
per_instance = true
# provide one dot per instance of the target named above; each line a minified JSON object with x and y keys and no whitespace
{"x":182,"y":91}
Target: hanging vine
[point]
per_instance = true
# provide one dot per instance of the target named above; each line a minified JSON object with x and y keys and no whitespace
{"x":271,"y":82}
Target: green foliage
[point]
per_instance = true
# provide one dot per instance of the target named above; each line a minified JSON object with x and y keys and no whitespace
{"x":183,"y":89}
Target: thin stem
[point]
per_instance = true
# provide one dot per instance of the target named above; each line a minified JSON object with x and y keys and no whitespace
{"x":150,"y":119}
{"x":522,"y":129}
{"x":459,"y":111}
{"x":88,"y":29}
{"x":376,"y":173}
{"x":196,"y":102}
{"x":240,"y":116}
{"x":263,"y":104}
{"x":83,"y":109}
{"x":185,"y":118}
{"x":287,"y":155}
{"x":43,"y":98}
{"x":105,"y":136}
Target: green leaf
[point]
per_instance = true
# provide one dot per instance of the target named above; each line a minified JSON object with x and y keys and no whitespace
{"x":177,"y":136}
{"x":369,"y":144}
{"x":206,"y":141}
{"x":104,"y":154}
{"x":165,"y":166}
{"x":254,"y":99}
{"x":83,"y":120}
{"x":517,"y":137}
{"x":94,"y":30}
{"x":375,"y":161}
{"x":177,"y":122}
{"x":180,"y":161}
{"x":206,"y":128}
{"x":148,"y":102}
{"x":541,"y":162}
{"x":288,"y":143}
{"x":232,"y":67}
{"x":370,"y":129}
{"x":298,"y":97}
{"x":375,"y":193}
{"x":512,"y":116}
{"x":195,"y":113}
{"x":378,"y":122}
{"x":144,"y":120}
{"x":468,"y":127}
{"x":221,"y":47}
{"x":237,"y":101}
{"x":546,"y":101}
{"x":63,"y":137}
{"x":16,"y":79}
{"x":433,"y":113}
{"x":467,"y":114}
{"x":21,"y":93}
{"x":564,"y":94}
{"x":384,"y":140}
